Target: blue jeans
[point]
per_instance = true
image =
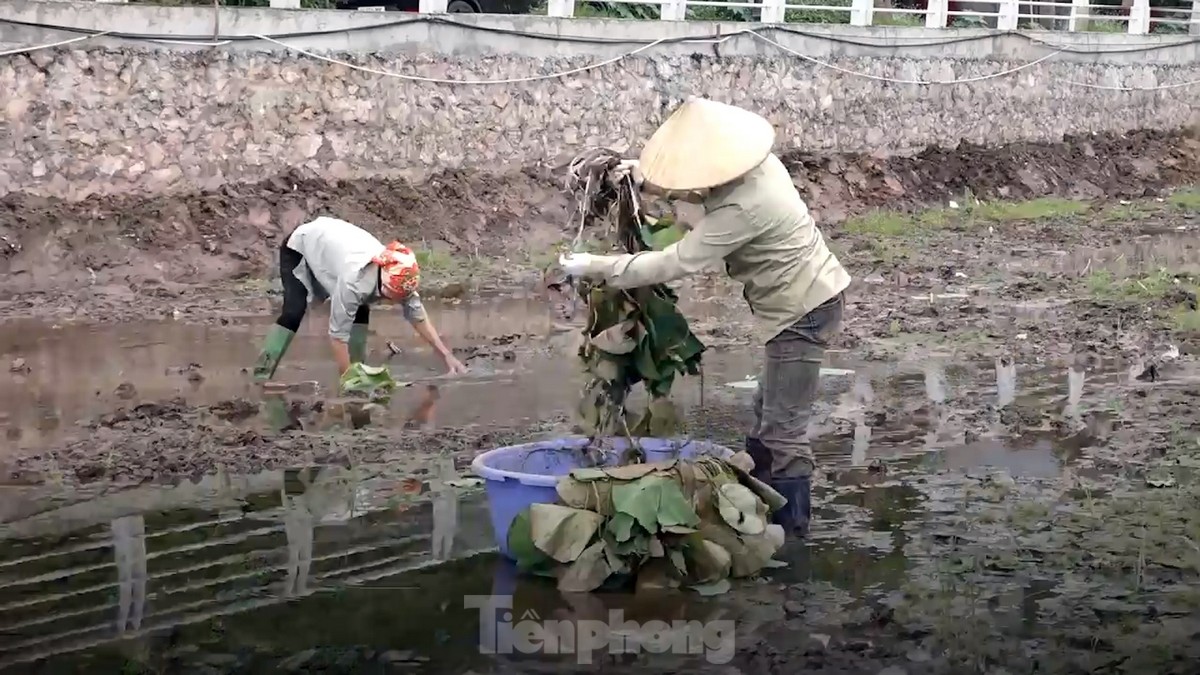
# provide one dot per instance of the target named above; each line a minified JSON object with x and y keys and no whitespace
{"x":787,"y":388}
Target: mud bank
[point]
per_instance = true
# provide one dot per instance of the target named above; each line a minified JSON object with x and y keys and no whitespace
{"x":127,"y":257}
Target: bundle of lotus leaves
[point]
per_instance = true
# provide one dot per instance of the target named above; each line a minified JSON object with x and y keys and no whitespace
{"x":372,"y":382}
{"x":668,"y":524}
{"x":632,"y":336}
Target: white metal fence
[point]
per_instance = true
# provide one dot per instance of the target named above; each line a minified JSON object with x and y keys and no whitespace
{"x":1131,"y":16}
{"x":1138,"y":17}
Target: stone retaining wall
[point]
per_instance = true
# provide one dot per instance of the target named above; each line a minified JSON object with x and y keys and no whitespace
{"x":115,"y":120}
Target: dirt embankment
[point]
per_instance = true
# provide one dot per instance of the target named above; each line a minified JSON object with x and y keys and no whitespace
{"x":122,"y":248}
{"x":1138,"y":164}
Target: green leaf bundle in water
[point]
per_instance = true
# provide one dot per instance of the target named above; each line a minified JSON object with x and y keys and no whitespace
{"x":372,"y":382}
{"x":632,"y":336}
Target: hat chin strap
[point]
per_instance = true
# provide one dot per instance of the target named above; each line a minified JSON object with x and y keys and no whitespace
{"x":690,"y":196}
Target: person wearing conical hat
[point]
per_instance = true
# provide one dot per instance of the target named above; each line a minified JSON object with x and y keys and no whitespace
{"x":755,"y":223}
{"x":332,"y":259}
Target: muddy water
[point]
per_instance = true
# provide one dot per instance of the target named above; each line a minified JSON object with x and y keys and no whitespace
{"x":522,"y":365}
{"x":356,"y":570}
{"x":367,"y":570}
{"x":523,"y":369}
{"x":77,"y":371}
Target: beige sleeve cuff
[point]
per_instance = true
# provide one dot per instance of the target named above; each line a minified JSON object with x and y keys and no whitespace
{"x":646,"y":268}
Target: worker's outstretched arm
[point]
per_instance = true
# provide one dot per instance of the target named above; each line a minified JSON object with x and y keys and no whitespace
{"x":719,"y":233}
{"x":343,"y":305}
{"x":414,"y":311}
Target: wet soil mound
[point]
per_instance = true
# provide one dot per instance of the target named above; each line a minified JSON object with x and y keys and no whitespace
{"x":234,"y":232}
{"x":161,"y":244}
{"x":1137,"y":164}
{"x":172,"y":440}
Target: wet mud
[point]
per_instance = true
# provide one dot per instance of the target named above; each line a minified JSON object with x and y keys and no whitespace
{"x":1113,"y":166}
{"x":206,"y":255}
{"x":1006,"y":429}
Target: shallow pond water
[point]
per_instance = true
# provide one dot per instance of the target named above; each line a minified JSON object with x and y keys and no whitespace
{"x":368,"y":569}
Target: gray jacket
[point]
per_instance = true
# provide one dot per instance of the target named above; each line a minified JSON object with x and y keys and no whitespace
{"x":337,"y":265}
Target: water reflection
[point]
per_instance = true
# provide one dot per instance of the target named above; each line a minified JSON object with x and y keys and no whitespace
{"x":1075,"y":380}
{"x":1006,"y":381}
{"x":129,"y":549}
{"x":445,"y":509}
{"x":962,"y":415}
{"x":863,"y":395}
{"x":230,"y":545}
{"x":935,"y":391}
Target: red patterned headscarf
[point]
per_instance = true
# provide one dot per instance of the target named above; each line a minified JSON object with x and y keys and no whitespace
{"x":400,"y":273}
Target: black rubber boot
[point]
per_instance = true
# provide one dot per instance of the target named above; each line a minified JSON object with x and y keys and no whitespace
{"x":796,"y":514}
{"x":762,"y":459}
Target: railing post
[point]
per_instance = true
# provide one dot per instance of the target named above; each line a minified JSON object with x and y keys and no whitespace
{"x":432,"y":6}
{"x":673,"y":10}
{"x":1008,"y":15}
{"x":1139,"y":17}
{"x":862,"y":12}
{"x":1194,"y":18}
{"x":561,"y":8}
{"x":1007,"y":11}
{"x":1080,"y":14}
{"x":773,"y":11}
{"x":936,"y":14}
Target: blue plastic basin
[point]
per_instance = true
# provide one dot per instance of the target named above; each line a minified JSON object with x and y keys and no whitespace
{"x":519,"y":475}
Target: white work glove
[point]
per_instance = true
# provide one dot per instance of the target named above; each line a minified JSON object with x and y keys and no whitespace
{"x":628,"y":167}
{"x":576,"y":264}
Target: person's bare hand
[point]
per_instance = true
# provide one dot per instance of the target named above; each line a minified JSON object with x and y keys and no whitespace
{"x":454,"y":366}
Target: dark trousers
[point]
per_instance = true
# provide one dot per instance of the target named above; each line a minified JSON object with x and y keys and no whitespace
{"x":787,"y":389}
{"x":295,"y":295}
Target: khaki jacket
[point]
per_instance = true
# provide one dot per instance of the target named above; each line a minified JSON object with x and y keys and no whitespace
{"x":762,"y":230}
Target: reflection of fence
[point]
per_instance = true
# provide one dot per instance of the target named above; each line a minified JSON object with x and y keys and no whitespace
{"x":1132,"y":16}
{"x":1043,"y":388}
{"x":173,"y":569}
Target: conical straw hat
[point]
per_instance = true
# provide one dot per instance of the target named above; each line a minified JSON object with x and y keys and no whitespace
{"x":704,"y":144}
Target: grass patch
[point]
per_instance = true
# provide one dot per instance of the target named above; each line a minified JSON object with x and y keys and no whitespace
{"x":1185,"y":320}
{"x":1035,"y":209}
{"x":1187,"y":199}
{"x":1159,"y":286}
{"x":1125,"y":213}
{"x":439,"y":267}
{"x":436,"y":262}
{"x":1104,"y":284}
{"x":900,"y":224}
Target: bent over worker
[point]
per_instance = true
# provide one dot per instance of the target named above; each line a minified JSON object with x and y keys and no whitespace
{"x":331,"y":258}
{"x":757,"y":224}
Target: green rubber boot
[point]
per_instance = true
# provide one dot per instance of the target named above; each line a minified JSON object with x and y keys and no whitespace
{"x":274,"y":347}
{"x":358,"y":343}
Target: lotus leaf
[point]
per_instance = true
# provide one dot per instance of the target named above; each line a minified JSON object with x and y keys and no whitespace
{"x":587,"y":573}
{"x":631,"y":336}
{"x":375,"y":382}
{"x":562,"y":532}
{"x":739,"y":507}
